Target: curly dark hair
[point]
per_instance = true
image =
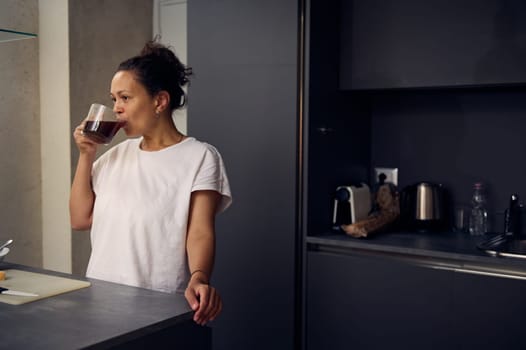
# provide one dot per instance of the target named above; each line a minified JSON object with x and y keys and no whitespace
{"x":158,"y":69}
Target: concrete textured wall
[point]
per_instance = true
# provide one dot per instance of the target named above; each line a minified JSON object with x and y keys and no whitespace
{"x":102,"y":34}
{"x":20,"y":164}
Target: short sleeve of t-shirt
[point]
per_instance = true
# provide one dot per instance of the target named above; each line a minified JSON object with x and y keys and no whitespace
{"x":212,"y":176}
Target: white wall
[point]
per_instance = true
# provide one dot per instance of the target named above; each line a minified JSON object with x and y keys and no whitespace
{"x":55,"y":133}
{"x":169,"y":21}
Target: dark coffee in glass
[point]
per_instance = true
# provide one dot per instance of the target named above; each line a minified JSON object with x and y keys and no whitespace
{"x":102,"y":124}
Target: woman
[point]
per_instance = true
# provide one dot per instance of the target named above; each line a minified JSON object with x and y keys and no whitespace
{"x":150,"y":201}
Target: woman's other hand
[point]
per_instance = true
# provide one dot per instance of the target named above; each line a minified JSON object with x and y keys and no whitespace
{"x":204,"y":300}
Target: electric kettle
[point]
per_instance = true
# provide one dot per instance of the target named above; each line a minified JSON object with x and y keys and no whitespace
{"x":422,"y":207}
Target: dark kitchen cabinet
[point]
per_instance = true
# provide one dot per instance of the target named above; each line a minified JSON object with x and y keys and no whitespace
{"x":243,"y":100}
{"x":412,"y":44}
{"x":365,"y":300}
{"x":362,"y":302}
{"x":489,"y":312}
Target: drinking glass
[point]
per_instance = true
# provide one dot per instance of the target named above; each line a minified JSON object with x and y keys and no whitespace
{"x":102,"y":124}
{"x":461,"y":219}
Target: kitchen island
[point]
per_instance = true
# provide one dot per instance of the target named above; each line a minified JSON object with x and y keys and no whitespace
{"x":413,"y":291}
{"x":103,"y":316}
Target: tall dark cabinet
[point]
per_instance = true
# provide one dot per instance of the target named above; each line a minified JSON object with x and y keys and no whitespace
{"x":243,"y":100}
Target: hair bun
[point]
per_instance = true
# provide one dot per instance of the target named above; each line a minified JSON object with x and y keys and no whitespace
{"x":165,"y":56}
{"x":158,"y":68}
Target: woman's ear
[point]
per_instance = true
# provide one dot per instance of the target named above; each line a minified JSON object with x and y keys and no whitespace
{"x":162,"y":101}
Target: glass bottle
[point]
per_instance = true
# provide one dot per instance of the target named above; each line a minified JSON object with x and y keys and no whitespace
{"x":478,"y":220}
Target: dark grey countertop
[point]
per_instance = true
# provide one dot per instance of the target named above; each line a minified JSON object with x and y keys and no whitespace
{"x":100,"y":316}
{"x":456,"y":249}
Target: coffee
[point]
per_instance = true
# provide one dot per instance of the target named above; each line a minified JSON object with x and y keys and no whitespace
{"x":102,"y":131}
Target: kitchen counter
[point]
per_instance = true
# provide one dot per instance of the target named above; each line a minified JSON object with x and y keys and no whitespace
{"x":435,"y":249}
{"x":104,"y":315}
{"x":418,"y":290}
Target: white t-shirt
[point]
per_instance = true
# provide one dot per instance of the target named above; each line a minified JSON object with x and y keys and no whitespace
{"x":141,"y":211}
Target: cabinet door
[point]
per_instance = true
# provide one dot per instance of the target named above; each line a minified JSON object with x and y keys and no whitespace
{"x":490,"y":312}
{"x":243,"y":101}
{"x":359,"y":302}
{"x":413,"y":43}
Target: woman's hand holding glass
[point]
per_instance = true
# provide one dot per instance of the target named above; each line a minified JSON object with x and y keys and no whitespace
{"x":85,"y":145}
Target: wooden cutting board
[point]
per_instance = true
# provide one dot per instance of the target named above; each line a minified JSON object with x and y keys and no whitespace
{"x":43,"y":285}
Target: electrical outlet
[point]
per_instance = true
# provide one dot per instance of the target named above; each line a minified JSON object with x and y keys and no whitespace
{"x":391,"y":175}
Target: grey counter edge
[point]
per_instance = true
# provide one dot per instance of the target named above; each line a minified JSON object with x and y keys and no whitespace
{"x":139,"y":333}
{"x":454,"y":261}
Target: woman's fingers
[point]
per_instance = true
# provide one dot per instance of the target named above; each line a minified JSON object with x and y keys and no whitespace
{"x":210,"y":305}
{"x":192,"y":299}
{"x":218,"y":306}
{"x":79,"y":131}
{"x":84,"y":143}
{"x":204,"y":295}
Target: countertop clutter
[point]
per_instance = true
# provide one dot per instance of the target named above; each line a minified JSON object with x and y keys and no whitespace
{"x":415,"y":224}
{"x":100,"y":316}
